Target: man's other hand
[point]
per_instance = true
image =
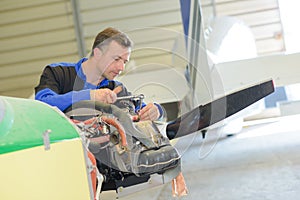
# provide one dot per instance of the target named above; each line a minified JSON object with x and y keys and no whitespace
{"x":149,"y":112}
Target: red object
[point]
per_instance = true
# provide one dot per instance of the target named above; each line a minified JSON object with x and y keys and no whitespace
{"x":93,"y":173}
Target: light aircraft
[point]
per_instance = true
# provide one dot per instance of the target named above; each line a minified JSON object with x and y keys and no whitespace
{"x":94,"y":147}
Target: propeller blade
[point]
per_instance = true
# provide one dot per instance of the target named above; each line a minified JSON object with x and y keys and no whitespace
{"x":205,"y":115}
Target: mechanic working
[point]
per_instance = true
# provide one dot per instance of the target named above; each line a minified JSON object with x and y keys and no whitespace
{"x":63,"y":84}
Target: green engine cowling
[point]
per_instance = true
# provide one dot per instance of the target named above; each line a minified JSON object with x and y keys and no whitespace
{"x":23,"y":123}
{"x":42,"y":151}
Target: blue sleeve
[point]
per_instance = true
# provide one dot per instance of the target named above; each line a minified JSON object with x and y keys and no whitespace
{"x":62,"y":101}
{"x":137,"y":108}
{"x":161,"y":110}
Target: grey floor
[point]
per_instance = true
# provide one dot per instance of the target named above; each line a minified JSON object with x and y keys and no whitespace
{"x":260,"y":163}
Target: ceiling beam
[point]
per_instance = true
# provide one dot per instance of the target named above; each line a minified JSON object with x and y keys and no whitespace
{"x":78,"y":28}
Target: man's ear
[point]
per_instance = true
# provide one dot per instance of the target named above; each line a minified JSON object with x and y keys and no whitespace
{"x":97,"y":52}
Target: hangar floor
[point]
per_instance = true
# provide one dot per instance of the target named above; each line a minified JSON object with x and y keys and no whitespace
{"x":260,"y":163}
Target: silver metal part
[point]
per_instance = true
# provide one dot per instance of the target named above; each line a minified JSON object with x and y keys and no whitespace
{"x":46,"y":139}
{"x":132,"y":97}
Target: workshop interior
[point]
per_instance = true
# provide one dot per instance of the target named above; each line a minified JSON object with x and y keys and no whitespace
{"x":226,"y":73}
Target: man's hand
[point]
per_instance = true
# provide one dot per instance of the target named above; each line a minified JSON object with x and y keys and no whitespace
{"x":105,"y":95}
{"x":149,"y":112}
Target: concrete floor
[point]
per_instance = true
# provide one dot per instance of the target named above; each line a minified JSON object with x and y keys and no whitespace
{"x":260,"y":163}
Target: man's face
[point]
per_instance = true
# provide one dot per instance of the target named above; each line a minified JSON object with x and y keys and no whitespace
{"x":113,"y":60}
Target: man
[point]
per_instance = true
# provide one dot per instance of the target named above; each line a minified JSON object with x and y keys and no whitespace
{"x":62,"y":84}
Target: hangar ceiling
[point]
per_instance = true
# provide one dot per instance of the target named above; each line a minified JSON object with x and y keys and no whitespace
{"x":34,"y":33}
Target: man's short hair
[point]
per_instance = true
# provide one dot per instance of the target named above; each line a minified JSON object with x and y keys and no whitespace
{"x":111,"y":34}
